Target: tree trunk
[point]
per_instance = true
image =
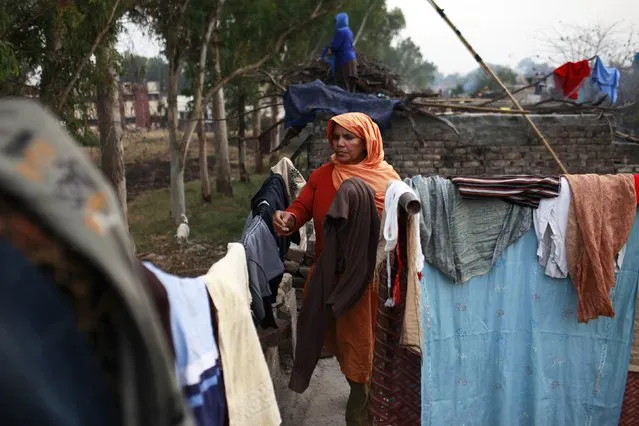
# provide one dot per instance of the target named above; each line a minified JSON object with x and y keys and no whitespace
{"x":241,"y":139}
{"x":204,"y":162}
{"x":109,"y":126}
{"x":222,"y":158}
{"x":178,"y":199}
{"x":257,"y":129}
{"x":275,"y":133}
{"x":50,"y":84}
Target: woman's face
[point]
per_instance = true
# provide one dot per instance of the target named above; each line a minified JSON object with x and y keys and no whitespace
{"x":348,"y":148}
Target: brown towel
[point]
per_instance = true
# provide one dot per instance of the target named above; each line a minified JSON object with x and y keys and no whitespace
{"x":602,"y":210}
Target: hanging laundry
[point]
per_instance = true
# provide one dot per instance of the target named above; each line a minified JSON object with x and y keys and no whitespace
{"x":249,"y":390}
{"x":272,"y":196}
{"x":551,"y":226}
{"x":521,"y":190}
{"x":45,"y":172}
{"x":294,"y":182}
{"x":351,"y":234}
{"x":390,"y":225}
{"x":570,"y":76}
{"x":602,"y":210}
{"x":607,"y":79}
{"x":465,"y":238}
{"x":49,"y":372}
{"x":410,"y":336}
{"x":265,"y":269}
{"x":506,"y":349}
{"x":197,"y":356}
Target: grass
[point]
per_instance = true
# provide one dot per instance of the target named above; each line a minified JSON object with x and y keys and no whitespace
{"x":212,"y":226}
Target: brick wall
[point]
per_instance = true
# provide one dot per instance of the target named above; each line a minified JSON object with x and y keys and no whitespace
{"x":492,"y":144}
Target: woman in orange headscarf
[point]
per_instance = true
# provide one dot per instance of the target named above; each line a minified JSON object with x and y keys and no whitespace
{"x":357,"y":152}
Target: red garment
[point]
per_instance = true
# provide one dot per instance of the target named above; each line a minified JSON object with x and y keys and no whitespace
{"x":637,"y":188}
{"x":570,"y":75}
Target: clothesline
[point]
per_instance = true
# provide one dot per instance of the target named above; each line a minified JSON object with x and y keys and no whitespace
{"x":521,"y":89}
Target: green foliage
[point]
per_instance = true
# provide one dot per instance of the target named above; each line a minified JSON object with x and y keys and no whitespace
{"x":140,"y":69}
{"x":406,"y":59}
{"x":479,"y":81}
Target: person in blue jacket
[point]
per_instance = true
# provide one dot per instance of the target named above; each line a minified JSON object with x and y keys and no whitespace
{"x":344,"y":56}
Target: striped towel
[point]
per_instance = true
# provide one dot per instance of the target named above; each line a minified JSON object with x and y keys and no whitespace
{"x":524,"y":190}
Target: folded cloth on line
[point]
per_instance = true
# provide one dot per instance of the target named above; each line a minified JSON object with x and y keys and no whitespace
{"x":522,"y":190}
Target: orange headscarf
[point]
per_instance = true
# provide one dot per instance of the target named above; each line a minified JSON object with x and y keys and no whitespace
{"x":373,"y":169}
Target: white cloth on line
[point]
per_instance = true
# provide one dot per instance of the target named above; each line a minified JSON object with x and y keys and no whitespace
{"x":249,"y":389}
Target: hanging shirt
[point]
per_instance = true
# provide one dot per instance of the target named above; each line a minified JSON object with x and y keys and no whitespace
{"x":607,"y":79}
{"x":264,"y":265}
{"x":522,"y":190}
{"x":551,"y":226}
{"x":570,"y":76}
{"x":248,"y":385}
{"x":197,"y":357}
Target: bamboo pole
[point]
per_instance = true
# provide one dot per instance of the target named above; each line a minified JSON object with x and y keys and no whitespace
{"x":490,"y":72}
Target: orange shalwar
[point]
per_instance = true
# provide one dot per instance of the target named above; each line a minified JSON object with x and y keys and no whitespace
{"x":352,"y":337}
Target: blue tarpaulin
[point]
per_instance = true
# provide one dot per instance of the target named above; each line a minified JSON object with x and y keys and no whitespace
{"x":303,"y":101}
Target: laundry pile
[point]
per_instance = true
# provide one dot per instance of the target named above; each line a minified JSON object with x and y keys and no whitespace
{"x":519,"y":298}
{"x":103,"y":338}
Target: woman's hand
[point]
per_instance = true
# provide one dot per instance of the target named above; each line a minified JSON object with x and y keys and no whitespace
{"x":283,"y":223}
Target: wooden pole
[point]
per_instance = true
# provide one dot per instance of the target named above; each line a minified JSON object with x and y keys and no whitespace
{"x":490,"y":72}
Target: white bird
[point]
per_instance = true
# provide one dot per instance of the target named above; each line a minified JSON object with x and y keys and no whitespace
{"x":183,"y":230}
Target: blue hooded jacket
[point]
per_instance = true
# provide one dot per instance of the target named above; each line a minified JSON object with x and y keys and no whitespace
{"x":342,"y":44}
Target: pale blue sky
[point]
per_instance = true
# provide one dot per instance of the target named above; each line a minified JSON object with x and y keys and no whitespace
{"x":502,"y":31}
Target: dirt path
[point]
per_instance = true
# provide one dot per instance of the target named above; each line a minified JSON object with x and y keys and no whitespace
{"x":323,"y":403}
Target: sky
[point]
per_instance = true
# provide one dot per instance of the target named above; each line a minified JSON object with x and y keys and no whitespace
{"x":501,"y":31}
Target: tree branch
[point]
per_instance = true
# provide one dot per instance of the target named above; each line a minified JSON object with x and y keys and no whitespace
{"x":196,"y":113}
{"x":360,"y":31}
{"x":87,"y":58}
{"x":276,"y":48}
{"x":275,"y":82}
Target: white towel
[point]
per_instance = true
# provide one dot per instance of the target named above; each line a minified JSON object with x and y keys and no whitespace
{"x":249,"y":389}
